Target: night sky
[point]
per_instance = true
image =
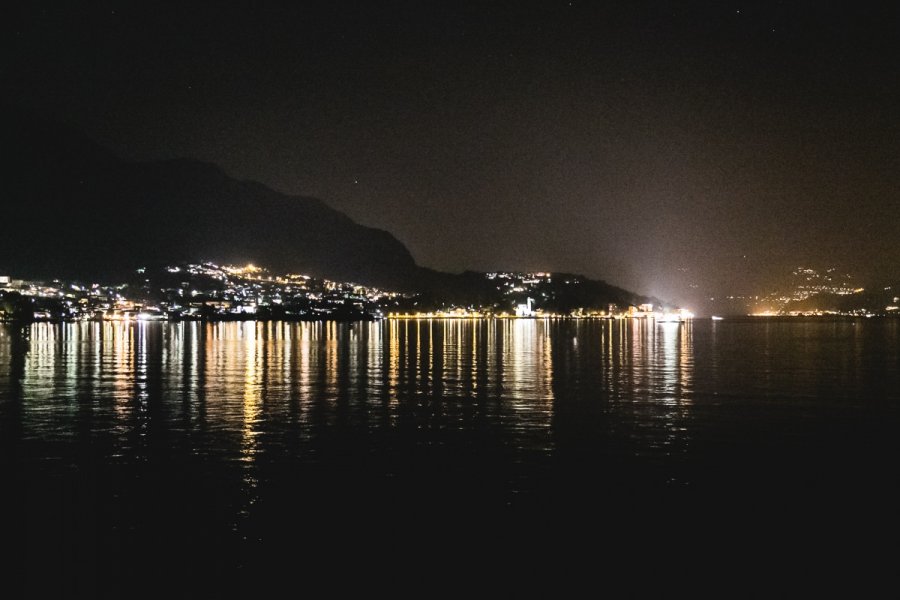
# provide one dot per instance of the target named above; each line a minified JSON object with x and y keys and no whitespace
{"x":655,"y":145}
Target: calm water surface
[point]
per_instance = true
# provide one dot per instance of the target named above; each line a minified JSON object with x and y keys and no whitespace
{"x":211,"y":447}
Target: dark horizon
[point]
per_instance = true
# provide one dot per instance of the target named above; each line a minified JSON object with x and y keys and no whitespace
{"x":656,"y":147}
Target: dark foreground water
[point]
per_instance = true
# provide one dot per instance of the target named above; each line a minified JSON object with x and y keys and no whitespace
{"x":202,"y":459}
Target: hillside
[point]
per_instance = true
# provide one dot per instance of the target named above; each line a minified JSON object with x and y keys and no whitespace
{"x":74,"y":210}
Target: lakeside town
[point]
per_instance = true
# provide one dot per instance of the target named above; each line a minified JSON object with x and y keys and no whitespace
{"x":814,"y":292}
{"x":208,"y":291}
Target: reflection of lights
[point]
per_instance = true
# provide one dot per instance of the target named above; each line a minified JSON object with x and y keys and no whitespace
{"x":253,"y":379}
{"x":394,"y":357}
{"x":374,"y":356}
{"x":239,"y":378}
{"x":418,"y":355}
{"x":529,"y":362}
{"x":686,"y":362}
{"x":331,"y":358}
{"x":670,"y":357}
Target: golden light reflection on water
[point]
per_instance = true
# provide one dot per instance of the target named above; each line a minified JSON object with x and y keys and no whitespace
{"x":528,"y":353}
{"x":241,"y":381}
{"x":253,"y":383}
{"x":394,"y":352}
{"x":331,"y":358}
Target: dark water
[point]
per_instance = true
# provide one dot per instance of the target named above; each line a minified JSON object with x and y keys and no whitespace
{"x":221,"y":456}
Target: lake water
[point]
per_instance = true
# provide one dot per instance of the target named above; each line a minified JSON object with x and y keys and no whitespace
{"x":137,"y":454}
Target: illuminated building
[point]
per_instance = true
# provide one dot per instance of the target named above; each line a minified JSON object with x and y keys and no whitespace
{"x":525,"y":310}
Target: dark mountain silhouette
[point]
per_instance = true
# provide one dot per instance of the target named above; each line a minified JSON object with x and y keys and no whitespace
{"x":72,"y":209}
